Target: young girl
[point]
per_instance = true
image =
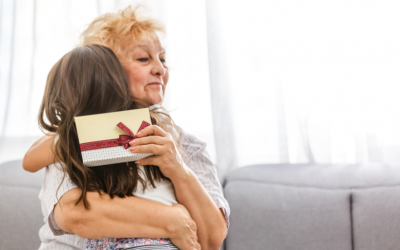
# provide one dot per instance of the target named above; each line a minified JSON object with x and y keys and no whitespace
{"x":90,"y":80}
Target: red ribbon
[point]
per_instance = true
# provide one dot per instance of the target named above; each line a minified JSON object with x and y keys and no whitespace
{"x":123,"y":140}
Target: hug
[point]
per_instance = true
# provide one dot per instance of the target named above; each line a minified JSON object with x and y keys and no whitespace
{"x":171,"y":200}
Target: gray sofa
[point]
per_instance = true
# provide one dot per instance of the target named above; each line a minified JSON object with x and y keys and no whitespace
{"x":314,"y":207}
{"x":310,"y":207}
{"x":20,"y":213}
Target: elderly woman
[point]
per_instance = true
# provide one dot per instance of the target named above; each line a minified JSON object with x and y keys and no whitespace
{"x":135,"y":42}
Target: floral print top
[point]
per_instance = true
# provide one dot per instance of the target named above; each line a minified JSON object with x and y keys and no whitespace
{"x":121,"y":243}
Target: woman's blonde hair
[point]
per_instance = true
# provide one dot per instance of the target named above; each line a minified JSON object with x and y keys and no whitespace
{"x":120,"y":31}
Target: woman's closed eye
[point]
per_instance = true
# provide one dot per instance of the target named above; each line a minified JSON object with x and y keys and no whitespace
{"x":145,"y":59}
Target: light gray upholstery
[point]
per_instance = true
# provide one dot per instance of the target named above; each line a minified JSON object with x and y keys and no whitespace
{"x":314,"y":207}
{"x":280,"y":207}
{"x":270,"y":217}
{"x":377,"y":218}
{"x":20,"y":212}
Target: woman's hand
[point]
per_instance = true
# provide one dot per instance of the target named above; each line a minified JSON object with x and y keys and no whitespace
{"x":160,"y":143}
{"x":186,"y":234}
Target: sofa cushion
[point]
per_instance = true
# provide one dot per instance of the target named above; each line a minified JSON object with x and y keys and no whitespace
{"x":376,"y":216}
{"x":20,"y":211}
{"x":272,"y":216}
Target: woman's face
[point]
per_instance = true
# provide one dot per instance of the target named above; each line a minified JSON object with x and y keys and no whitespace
{"x":147,"y":72}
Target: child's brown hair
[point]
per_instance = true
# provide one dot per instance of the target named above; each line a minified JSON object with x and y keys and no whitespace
{"x":90,"y":80}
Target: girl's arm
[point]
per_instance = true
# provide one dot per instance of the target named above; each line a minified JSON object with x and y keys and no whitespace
{"x":40,"y":154}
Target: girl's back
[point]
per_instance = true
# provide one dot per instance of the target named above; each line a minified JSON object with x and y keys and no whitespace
{"x":90,"y":80}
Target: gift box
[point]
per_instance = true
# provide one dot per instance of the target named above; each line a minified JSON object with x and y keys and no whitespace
{"x":104,"y":138}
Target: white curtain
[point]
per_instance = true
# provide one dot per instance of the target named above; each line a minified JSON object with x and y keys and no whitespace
{"x":278,"y":81}
{"x":306,"y":81}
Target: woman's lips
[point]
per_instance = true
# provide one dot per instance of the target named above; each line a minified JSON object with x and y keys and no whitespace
{"x":155,"y":84}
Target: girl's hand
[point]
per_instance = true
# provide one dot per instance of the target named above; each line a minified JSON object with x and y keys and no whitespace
{"x":160,"y":143}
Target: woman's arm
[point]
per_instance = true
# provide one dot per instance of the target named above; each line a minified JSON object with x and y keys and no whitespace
{"x":128,"y":217}
{"x":40,"y":154}
{"x":210,"y":221}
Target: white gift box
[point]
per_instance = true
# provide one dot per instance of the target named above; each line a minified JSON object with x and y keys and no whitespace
{"x":104,"y":138}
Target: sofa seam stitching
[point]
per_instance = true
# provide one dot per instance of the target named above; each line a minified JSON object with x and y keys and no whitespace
{"x":351,"y":220}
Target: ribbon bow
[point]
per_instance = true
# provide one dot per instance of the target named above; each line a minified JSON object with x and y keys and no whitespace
{"x":124,"y":140}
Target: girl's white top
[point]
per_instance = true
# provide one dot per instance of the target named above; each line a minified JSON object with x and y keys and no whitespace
{"x":163,"y":193}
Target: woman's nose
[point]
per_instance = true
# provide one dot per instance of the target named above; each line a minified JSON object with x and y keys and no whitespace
{"x":158,"y":68}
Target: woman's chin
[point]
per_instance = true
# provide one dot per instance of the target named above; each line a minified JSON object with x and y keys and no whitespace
{"x":154,"y":100}
{"x":149,"y":100}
